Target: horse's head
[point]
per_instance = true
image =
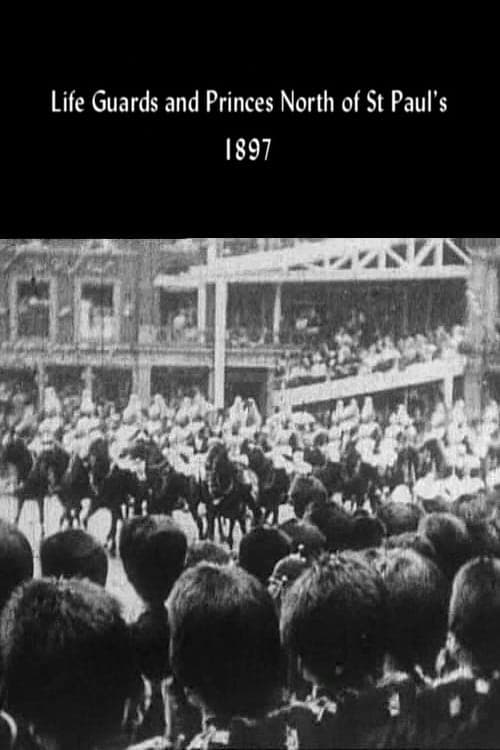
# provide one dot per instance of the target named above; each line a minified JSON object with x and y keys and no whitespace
{"x":215,"y":452}
{"x":257,"y":461}
{"x":98,"y":456}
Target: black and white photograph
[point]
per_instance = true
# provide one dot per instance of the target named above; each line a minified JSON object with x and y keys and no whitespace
{"x":250,"y":493}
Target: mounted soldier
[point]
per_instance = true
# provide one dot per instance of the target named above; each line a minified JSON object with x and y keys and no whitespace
{"x":45,"y":476}
{"x":114,"y":485}
{"x":229,"y":494}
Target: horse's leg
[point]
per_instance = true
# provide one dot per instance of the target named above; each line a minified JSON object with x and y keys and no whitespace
{"x":65,"y":517}
{"x":210,"y":532}
{"x":116,"y":515}
{"x":85,"y":511}
{"x":230,"y":538}
{"x":275,"y":511}
{"x":195,"y":512}
{"x":222,"y":530}
{"x":20,"y":504}
{"x":75,"y":515}
{"x":242,"y":522}
{"x":41,"y":503}
{"x":256,"y":511}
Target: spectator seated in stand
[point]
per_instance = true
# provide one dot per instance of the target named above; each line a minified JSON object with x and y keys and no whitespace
{"x":342,"y":355}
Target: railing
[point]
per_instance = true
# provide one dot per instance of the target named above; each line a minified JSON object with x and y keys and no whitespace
{"x":376,"y":382}
{"x":188,"y":337}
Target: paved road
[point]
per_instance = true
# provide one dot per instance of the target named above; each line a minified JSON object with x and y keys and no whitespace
{"x":117,"y":581}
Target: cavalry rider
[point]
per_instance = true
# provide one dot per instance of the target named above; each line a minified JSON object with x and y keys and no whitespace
{"x":113,"y":482}
{"x":75,"y":482}
{"x":45,"y":476}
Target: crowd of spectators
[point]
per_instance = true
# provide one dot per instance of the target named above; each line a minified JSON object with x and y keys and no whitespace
{"x":376,"y":630}
{"x":349,"y":353}
{"x":351,"y":624}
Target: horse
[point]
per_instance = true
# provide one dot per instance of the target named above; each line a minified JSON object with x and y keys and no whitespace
{"x":16,"y":453}
{"x":171,"y":490}
{"x":74,"y":488}
{"x":113,"y":487}
{"x":43,"y":480}
{"x":230,"y":495}
{"x":199,"y":494}
{"x":273,"y":485}
{"x":164,"y":488}
{"x":331,"y":475}
{"x":16,"y":462}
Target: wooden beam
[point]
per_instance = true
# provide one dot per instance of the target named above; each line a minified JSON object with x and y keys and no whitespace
{"x":424,"y":251}
{"x":277,"y":314}
{"x":220,"y":342}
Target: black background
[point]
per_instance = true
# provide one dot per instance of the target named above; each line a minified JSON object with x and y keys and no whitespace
{"x":146,"y":175}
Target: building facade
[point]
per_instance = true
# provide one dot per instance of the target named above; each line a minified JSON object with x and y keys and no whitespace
{"x":159,"y":315}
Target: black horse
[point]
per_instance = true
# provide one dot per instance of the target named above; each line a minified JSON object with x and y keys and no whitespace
{"x":74,"y":488}
{"x":16,"y":453}
{"x":113,"y":487}
{"x":164,"y":488}
{"x":230,"y":495}
{"x":43,"y":479}
{"x":199,"y":494}
{"x":273,"y":485}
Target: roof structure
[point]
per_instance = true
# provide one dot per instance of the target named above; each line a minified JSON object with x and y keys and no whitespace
{"x":333,"y":259}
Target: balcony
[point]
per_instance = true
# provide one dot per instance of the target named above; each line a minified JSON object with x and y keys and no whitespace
{"x":376,"y":382}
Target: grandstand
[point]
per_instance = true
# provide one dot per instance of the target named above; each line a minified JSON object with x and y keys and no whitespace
{"x":418,"y":283}
{"x":225,"y":315}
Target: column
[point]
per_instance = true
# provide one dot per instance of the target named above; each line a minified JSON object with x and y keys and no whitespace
{"x":473,"y":381}
{"x":269,"y":394}
{"x":448,"y":390}
{"x":428,"y":312}
{"x":481,"y":316}
{"x":41,"y":382}
{"x":404,"y":326}
{"x":491,"y":301}
{"x":202,"y":310}
{"x":263,"y":308}
{"x":211,"y":385}
{"x":88,"y":380}
{"x":211,"y":252}
{"x":220,"y":342}
{"x":277,"y":314}
{"x":142,"y":383}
